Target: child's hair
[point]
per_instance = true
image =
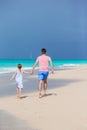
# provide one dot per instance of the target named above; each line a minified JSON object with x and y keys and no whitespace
{"x":43,"y":50}
{"x":19,"y":66}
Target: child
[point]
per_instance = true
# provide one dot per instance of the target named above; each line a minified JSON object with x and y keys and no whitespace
{"x":18,"y":75}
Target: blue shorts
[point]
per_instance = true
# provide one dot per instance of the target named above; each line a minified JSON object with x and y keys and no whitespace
{"x":42,"y":75}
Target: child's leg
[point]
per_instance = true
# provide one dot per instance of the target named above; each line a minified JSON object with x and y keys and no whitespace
{"x":19,"y":92}
{"x":40,"y":88}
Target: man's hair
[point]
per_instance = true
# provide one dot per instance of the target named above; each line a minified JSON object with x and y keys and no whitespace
{"x":43,"y":50}
{"x":19,"y":66}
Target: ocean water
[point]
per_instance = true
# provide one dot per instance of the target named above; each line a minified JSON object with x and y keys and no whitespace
{"x":9,"y":65}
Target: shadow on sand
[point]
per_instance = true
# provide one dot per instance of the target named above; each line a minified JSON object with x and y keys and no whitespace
{"x":49,"y":94}
{"x":8,"y":88}
{"x":10,"y":122}
{"x":22,"y":97}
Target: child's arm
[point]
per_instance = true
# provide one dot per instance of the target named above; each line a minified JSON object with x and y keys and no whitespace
{"x":13,"y":76}
{"x":26,"y":72}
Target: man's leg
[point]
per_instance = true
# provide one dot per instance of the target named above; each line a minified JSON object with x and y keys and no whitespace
{"x":45,"y":86}
{"x":40,"y":88}
{"x":45,"y":81}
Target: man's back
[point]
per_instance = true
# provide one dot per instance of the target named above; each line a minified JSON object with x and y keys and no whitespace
{"x":43,"y":62}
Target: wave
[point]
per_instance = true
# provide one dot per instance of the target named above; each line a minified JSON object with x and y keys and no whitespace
{"x":64,"y":66}
{"x":12,"y":69}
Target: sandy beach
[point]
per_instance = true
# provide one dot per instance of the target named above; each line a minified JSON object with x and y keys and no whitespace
{"x":64,"y":107}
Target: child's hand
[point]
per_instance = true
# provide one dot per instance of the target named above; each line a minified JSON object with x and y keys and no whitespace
{"x":31,"y":72}
{"x":11,"y":78}
{"x":52,"y":71}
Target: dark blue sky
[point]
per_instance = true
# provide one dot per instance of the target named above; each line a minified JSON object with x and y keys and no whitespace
{"x":60,"y":26}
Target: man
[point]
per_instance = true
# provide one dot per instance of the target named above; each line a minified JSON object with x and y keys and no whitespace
{"x":43,"y":61}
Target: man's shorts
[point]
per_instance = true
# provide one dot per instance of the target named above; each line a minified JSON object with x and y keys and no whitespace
{"x":42,"y":75}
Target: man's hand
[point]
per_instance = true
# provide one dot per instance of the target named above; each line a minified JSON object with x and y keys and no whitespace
{"x":52,"y":71}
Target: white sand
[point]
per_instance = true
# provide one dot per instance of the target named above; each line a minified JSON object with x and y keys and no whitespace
{"x":65,"y":107}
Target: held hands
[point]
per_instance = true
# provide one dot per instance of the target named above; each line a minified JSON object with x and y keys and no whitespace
{"x":31,"y":72}
{"x":52,"y":71}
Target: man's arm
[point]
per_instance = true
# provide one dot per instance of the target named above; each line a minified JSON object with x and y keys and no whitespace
{"x":52,"y":66}
{"x":34,"y":67}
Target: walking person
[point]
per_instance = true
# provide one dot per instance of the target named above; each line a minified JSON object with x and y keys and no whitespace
{"x":43,"y":72}
{"x":18,"y":75}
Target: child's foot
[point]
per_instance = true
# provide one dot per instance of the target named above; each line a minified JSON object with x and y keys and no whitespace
{"x":40,"y":95}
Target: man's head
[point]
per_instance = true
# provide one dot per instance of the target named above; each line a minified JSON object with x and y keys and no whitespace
{"x":43,"y":50}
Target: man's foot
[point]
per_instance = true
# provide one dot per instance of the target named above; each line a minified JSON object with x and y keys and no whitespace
{"x":18,"y":97}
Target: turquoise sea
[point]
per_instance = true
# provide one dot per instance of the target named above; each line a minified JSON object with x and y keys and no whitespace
{"x":9,"y":65}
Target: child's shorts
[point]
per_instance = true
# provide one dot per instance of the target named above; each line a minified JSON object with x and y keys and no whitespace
{"x":42,"y":75}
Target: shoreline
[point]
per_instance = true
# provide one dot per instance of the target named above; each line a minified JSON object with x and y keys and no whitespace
{"x":8,"y":70}
{"x":64,"y":107}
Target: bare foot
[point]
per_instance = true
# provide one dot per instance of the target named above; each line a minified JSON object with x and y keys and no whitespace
{"x":18,"y":97}
{"x":40,"y":95}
